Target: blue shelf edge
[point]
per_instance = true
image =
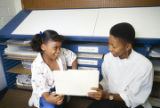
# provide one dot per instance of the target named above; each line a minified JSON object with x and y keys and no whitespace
{"x":86,"y":39}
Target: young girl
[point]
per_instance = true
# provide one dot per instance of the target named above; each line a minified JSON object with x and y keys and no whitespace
{"x":51,"y":57}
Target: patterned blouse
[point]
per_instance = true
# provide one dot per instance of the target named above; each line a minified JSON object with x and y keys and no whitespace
{"x":42,"y":78}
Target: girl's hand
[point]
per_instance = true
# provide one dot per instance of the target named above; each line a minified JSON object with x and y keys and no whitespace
{"x":58,"y":99}
{"x":53,"y":98}
{"x":96,"y":95}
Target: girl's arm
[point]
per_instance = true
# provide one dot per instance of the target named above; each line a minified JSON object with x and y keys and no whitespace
{"x":71,"y":58}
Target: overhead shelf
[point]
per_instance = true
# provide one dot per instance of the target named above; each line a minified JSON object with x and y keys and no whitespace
{"x":154,"y":101}
{"x":157,"y":78}
{"x":24,"y":87}
{"x":19,"y":69}
{"x":20,"y":58}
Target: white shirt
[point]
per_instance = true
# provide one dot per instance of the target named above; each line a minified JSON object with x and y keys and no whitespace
{"x":131,"y":78}
{"x":42,"y":78}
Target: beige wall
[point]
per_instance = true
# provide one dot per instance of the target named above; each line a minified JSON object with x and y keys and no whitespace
{"x":8,"y":9}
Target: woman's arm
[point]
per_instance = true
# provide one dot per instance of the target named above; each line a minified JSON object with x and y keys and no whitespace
{"x":116,"y":97}
{"x":100,"y":94}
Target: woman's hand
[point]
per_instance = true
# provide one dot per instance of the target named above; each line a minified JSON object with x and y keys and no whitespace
{"x":74,"y":64}
{"x":96,"y":95}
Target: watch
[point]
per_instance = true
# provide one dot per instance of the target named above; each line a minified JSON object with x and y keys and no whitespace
{"x":111,"y":96}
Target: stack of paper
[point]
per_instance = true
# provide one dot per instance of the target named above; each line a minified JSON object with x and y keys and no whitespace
{"x":154,"y":101}
{"x":18,"y":41}
{"x":27,"y":64}
{"x":156,"y":65}
{"x":23,"y":80}
{"x":155,"y":52}
{"x":14,"y":50}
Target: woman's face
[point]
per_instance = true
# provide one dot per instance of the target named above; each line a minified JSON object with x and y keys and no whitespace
{"x":118,"y":48}
{"x":51,"y":49}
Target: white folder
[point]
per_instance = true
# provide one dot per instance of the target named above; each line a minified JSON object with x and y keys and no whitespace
{"x":76,"y":82}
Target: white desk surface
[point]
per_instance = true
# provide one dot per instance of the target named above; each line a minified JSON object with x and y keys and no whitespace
{"x":76,"y":22}
{"x":146,"y":20}
{"x":92,"y":22}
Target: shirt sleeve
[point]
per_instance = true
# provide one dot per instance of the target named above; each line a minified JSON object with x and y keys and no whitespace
{"x":39,"y":81}
{"x":104,"y":80}
{"x":138,"y":90}
{"x":69,"y":56}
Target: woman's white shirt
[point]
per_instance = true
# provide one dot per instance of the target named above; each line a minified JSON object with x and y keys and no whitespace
{"x":132,"y":78}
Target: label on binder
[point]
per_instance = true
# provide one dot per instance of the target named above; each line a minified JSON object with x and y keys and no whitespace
{"x":88,"y":62}
{"x":88,"y":49}
{"x":87,"y":68}
{"x":84,"y":55}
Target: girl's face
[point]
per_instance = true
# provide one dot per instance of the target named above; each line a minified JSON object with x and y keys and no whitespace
{"x":119,"y":48}
{"x":51,"y":49}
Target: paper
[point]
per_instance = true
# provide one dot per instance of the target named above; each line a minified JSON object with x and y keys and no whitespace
{"x":18,"y":41}
{"x":75,"y":82}
{"x":154,"y":101}
{"x":155,"y":52}
{"x":20,"y":57}
{"x":13,"y":50}
{"x":156,"y":65}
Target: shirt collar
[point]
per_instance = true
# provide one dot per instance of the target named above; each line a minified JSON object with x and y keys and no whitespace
{"x":39,"y":58}
{"x":131,"y":54}
{"x":41,"y":61}
{"x":129,"y":57}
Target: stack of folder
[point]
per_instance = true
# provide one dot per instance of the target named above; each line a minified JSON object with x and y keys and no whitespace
{"x":23,"y":80}
{"x":155,"y":94}
{"x":155,"y":52}
{"x":20,"y":50}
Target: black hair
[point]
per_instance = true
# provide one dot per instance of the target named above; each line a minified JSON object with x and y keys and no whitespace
{"x":124,"y":31}
{"x":44,"y":37}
